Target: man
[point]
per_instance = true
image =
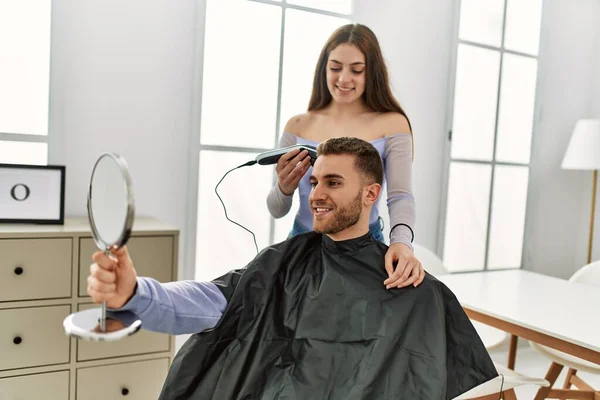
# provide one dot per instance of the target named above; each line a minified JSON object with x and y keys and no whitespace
{"x":309,"y":318}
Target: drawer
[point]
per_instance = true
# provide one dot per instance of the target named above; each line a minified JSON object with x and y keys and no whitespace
{"x":140,"y":343}
{"x":141,"y":380}
{"x":33,"y":337}
{"x":28,"y":265}
{"x":50,"y":386}
{"x":152,"y":256}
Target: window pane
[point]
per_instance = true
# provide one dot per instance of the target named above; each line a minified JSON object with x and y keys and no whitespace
{"x":475,"y":97}
{"x":517,"y":98}
{"x":508,"y":216}
{"x":221,"y":245}
{"x":523,"y":20}
{"x":338,"y":6}
{"x":23,"y":153}
{"x":301,"y":51}
{"x":24,"y":66}
{"x":481,"y":21}
{"x":467,"y":214}
{"x":241,"y":69}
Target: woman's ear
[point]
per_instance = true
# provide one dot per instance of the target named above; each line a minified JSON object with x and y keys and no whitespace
{"x":372,"y":193}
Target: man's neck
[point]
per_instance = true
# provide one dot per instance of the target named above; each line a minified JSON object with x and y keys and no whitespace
{"x":355,"y":231}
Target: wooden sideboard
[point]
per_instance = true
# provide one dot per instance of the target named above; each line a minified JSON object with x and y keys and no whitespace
{"x":43,"y":273}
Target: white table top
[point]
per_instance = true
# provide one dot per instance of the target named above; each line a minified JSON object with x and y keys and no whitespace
{"x":556,"y":307}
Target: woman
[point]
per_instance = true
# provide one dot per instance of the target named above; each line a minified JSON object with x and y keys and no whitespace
{"x":351,"y":96}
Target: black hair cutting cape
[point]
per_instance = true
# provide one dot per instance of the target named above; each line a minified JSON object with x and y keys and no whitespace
{"x":310,"y":318}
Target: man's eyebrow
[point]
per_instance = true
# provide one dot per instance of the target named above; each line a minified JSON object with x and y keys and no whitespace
{"x":334,"y":176}
{"x":354,"y":63}
{"x":328,"y":176}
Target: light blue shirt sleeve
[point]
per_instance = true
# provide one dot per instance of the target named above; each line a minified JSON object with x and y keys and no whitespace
{"x":176,"y":308}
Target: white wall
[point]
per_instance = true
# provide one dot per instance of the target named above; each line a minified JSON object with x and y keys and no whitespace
{"x":416,"y":39}
{"x":596,"y":83}
{"x":559,"y":207}
{"x":123,"y":76}
{"x":595,"y":113}
{"x":122,"y":81}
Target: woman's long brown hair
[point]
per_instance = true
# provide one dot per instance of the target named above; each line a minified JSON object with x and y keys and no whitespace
{"x":378,"y":94}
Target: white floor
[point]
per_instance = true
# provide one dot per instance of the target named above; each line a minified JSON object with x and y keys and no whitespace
{"x":530,"y":362}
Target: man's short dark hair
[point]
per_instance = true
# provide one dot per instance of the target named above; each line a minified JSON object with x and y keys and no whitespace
{"x":367,"y":159}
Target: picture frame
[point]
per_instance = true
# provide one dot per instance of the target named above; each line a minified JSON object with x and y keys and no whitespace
{"x":32,"y":194}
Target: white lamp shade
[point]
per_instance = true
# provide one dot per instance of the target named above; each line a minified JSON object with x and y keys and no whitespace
{"x":583,"y":151}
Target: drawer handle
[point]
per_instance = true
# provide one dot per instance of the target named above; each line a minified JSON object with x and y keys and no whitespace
{"x":19,"y":270}
{"x":124,"y":391}
{"x":17,"y":340}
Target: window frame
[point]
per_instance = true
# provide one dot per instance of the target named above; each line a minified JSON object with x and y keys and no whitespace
{"x":448,"y":160}
{"x":25,"y":137}
{"x":195,"y":140}
{"x":33,"y":137}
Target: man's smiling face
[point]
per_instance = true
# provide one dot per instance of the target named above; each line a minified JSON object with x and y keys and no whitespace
{"x":336,"y":199}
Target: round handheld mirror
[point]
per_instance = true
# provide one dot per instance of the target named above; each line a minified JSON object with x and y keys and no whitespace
{"x":110,"y":212}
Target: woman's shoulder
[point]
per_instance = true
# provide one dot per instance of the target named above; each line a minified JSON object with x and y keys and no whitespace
{"x":298,"y":124}
{"x":392,"y":123}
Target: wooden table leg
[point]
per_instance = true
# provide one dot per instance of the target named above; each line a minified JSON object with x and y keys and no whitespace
{"x":509,"y":395}
{"x":551,"y":376}
{"x":512,"y":352}
{"x":570,"y":374}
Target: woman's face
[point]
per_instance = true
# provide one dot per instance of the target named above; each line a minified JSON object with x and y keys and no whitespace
{"x":346,"y":73}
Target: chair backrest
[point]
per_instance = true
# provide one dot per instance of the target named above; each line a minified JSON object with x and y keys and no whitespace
{"x":429,"y":260}
{"x":588,"y":274}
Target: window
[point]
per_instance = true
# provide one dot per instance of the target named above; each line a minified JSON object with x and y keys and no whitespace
{"x":24,"y":81}
{"x":259,"y":59}
{"x":490,"y":135}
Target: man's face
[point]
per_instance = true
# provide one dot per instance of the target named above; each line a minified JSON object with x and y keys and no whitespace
{"x":337,"y":199}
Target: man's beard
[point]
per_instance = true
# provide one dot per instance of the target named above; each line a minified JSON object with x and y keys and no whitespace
{"x":343,"y":218}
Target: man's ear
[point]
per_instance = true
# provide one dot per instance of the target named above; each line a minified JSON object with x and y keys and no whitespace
{"x":372,"y":193}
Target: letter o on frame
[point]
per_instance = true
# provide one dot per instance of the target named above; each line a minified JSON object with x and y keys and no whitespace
{"x":13,"y":192}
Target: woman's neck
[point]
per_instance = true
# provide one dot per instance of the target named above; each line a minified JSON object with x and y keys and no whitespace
{"x":342,"y":110}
